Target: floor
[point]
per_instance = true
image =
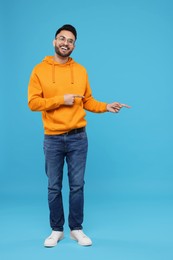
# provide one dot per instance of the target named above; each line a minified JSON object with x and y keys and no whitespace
{"x":122,"y":226}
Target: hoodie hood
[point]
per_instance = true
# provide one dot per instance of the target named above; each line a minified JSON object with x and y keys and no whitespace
{"x":49,"y":60}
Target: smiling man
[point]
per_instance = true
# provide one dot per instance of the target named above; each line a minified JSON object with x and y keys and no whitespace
{"x":60,"y":89}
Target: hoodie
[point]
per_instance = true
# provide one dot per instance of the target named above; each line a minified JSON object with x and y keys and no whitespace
{"x":48,"y":84}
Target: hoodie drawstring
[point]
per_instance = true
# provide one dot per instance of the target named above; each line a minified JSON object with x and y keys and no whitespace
{"x":53,"y":72}
{"x":71,"y":71}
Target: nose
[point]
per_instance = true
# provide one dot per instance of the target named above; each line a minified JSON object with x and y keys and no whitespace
{"x":66,"y":41}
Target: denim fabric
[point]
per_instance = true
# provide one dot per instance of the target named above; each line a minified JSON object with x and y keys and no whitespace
{"x":73,"y":149}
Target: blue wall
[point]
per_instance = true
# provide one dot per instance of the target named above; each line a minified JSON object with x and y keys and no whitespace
{"x":126,"y":47}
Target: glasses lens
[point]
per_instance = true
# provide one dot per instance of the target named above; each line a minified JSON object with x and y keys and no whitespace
{"x":63,"y":39}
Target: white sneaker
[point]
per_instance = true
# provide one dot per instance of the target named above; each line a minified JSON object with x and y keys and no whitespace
{"x":53,"y":239}
{"x":80,"y":237}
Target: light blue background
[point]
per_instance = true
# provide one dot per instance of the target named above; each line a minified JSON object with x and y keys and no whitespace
{"x":127,"y":48}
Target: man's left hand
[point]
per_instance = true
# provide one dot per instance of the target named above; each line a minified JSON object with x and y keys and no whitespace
{"x":115,"y":107}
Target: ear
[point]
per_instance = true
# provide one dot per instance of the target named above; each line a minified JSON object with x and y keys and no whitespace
{"x":53,"y":43}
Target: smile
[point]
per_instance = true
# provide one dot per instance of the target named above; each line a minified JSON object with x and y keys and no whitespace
{"x":64,"y":48}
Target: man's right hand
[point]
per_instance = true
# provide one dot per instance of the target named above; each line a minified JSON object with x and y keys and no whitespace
{"x":70,"y":98}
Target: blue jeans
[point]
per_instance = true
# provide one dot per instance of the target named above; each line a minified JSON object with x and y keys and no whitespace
{"x":72,"y":148}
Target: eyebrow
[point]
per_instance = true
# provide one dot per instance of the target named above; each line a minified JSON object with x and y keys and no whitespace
{"x":67,"y":37}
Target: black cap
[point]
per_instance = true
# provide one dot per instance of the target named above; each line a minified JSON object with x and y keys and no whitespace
{"x":67,"y":27}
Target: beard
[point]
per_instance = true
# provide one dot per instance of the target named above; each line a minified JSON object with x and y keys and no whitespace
{"x":59,"y":53}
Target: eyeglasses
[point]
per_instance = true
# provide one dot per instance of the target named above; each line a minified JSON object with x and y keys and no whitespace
{"x":64,"y":39}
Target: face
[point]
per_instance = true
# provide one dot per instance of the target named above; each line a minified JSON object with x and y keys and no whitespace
{"x":64,"y":43}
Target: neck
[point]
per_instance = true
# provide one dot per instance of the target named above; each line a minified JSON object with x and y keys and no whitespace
{"x":60,"y":59}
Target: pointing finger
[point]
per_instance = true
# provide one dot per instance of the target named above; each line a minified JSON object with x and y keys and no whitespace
{"x":124,"y":105}
{"x":78,"y":96}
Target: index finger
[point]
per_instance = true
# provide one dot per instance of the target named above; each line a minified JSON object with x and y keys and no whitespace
{"x":124,"y":105}
{"x":79,"y":96}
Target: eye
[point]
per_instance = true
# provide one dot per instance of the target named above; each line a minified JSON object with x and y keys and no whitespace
{"x":62,"y":38}
{"x":70,"y":41}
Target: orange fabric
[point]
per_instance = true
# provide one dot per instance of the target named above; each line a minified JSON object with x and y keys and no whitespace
{"x":49,"y":82}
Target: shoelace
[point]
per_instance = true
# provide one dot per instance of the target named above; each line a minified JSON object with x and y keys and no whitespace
{"x":51,"y":237}
{"x":83,"y":235}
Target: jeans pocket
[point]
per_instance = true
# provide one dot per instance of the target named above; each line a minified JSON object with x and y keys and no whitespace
{"x":81,"y":135}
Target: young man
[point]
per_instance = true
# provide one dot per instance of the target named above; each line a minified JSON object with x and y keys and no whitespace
{"x":60,"y":89}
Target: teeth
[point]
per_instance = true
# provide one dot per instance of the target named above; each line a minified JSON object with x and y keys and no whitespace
{"x":64,"y":48}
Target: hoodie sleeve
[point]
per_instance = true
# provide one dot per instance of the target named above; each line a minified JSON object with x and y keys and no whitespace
{"x":91,"y":104}
{"x":36,"y":101}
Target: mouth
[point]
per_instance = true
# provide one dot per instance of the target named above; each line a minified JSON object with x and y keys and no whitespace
{"x":63,"y":48}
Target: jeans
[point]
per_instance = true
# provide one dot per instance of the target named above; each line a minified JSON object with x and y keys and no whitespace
{"x":72,"y":148}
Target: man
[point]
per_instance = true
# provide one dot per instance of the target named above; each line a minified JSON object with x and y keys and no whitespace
{"x":60,"y":89}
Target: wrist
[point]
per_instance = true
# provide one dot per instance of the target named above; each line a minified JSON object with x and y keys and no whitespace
{"x":107,"y":107}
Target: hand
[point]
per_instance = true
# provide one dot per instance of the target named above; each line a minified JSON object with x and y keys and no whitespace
{"x":70,"y":98}
{"x":115,"y":107}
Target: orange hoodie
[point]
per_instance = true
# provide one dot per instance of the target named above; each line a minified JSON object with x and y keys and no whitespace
{"x":49,"y":82}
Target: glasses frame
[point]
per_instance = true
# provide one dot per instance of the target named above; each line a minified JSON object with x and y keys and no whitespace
{"x":62,"y":38}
